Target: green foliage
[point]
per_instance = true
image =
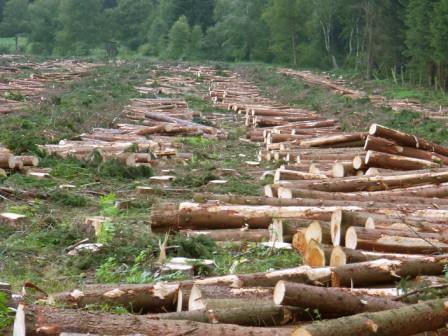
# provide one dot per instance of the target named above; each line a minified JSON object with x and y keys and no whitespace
{"x":80,"y":23}
{"x":15,"y":18}
{"x":6,"y":317}
{"x":68,"y":199}
{"x":194,"y":247}
{"x":116,"y":169}
{"x":179,"y":39}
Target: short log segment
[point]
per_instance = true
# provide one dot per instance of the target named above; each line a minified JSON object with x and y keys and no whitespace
{"x":330,"y":301}
{"x":41,"y":320}
{"x":384,"y":271}
{"x":403,"y":321}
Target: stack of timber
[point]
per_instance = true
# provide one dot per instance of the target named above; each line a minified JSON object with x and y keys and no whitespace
{"x":339,"y":86}
{"x":156,"y":124}
{"x":20,"y":90}
{"x":10,"y":162}
{"x":359,"y":233}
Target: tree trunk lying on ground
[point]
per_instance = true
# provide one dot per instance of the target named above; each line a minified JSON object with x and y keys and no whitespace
{"x":385,"y":271}
{"x":406,"y":139}
{"x":341,"y":256}
{"x":396,"y":162}
{"x":41,"y":320}
{"x":395,"y":241}
{"x":259,"y":315}
{"x":373,"y":183}
{"x":224,"y":235}
{"x":160,"y":297}
{"x":403,"y":321}
{"x":215,"y":216}
{"x":390,"y":147}
{"x":202,"y":296}
{"x":330,"y":301}
{"x":163,"y":293}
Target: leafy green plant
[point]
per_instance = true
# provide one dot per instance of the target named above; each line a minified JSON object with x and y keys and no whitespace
{"x":107,"y":233}
{"x":108,"y":271}
{"x":6,"y":317}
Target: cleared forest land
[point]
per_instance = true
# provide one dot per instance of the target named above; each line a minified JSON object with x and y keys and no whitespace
{"x":179,"y":199}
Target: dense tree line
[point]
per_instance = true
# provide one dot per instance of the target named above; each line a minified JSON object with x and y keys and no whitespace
{"x":405,"y":39}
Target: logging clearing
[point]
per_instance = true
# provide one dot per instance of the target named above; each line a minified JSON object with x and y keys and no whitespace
{"x":147,"y":198}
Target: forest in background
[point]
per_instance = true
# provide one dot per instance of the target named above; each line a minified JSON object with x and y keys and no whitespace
{"x":406,"y":40}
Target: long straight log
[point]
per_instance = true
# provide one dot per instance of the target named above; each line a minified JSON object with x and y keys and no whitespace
{"x":351,"y":184}
{"x":212,"y":216}
{"x":384,"y":271}
{"x":403,"y":321}
{"x":328,"y":300}
{"x":231,"y":234}
{"x":406,"y":139}
{"x":334,"y":140}
{"x":374,"y":240}
{"x":386,"y":146}
{"x":396,"y":162}
{"x":53,"y":322}
{"x":147,"y":298}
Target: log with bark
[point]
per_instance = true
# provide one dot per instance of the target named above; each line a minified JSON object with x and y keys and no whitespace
{"x":403,"y":321}
{"x":215,"y":216}
{"x":395,"y":241}
{"x":330,"y":301}
{"x":41,"y":320}
{"x":348,"y":140}
{"x":407,"y":139}
{"x":396,"y":162}
{"x":380,"y":271}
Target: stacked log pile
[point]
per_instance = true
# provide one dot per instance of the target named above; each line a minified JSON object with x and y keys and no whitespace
{"x":41,"y":81}
{"x":153,"y":125}
{"x":340,"y":87}
{"x":360,"y":226}
{"x":10,"y":162}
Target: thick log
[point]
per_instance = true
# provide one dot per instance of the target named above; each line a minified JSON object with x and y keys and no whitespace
{"x":210,"y":297}
{"x":314,"y":255}
{"x":386,"y":146}
{"x":384,"y":271}
{"x":406,"y":139}
{"x":341,"y":256}
{"x":340,"y":221}
{"x":282,"y":174}
{"x":147,"y":298}
{"x":329,"y":141}
{"x":350,"y":184}
{"x":396,"y":162}
{"x":213,"y":216}
{"x":259,"y":315}
{"x":52,"y":322}
{"x":403,"y":321}
{"x":392,"y":241}
{"x":330,"y":301}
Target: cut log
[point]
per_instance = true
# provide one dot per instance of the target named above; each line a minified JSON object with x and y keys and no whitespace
{"x":395,"y":241}
{"x":52,"y":322}
{"x":406,"y":139}
{"x":330,"y":301}
{"x":350,"y":184}
{"x":396,"y":162}
{"x":210,"y":297}
{"x":261,"y":315}
{"x":328,"y":141}
{"x":147,"y":298}
{"x":384,"y":271}
{"x":340,"y":221}
{"x":342,"y":256}
{"x":314,"y":255}
{"x":403,"y":321}
{"x":343,"y":169}
{"x":386,"y":146}
{"x":211,"y":216}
